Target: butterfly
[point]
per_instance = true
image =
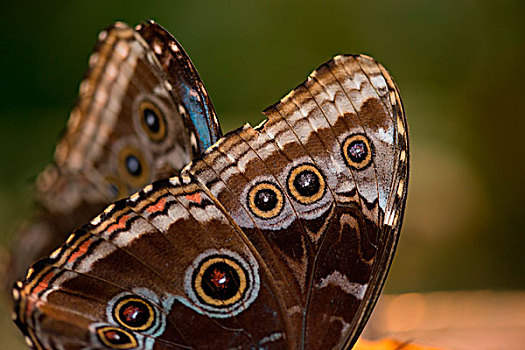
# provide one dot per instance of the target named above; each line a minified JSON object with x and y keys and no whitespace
{"x":275,"y":236}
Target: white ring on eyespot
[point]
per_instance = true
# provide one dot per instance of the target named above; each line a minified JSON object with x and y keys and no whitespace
{"x":252,"y":269}
{"x":159,"y":325}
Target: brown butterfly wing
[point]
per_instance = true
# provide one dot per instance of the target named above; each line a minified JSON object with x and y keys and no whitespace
{"x":363,"y":233}
{"x":170,"y":254}
{"x":319,"y":189}
{"x":307,"y":206}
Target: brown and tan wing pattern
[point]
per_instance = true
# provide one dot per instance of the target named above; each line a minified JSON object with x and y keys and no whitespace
{"x":165,"y":269}
{"x":279,"y":236}
{"x":134,"y":123}
{"x":319,"y":189}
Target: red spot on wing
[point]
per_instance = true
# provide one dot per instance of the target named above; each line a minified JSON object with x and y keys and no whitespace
{"x":161,"y":204}
{"x":81,"y":250}
{"x":194,"y":197}
{"x":131,"y":313}
{"x":118,"y":225}
{"x":112,"y":335}
{"x":219,"y":279}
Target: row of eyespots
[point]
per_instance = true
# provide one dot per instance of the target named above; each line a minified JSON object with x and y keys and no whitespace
{"x":306,"y":184}
{"x":132,"y":165}
{"x":221,"y":285}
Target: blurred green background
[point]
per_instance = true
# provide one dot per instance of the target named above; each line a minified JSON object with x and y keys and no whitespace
{"x":458,"y":64}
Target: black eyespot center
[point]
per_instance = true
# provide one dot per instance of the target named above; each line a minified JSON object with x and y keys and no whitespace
{"x":133,"y":165}
{"x":306,"y":184}
{"x":265,"y":200}
{"x":133,"y":169}
{"x":152,"y":120}
{"x":220,"y":281}
{"x":134,"y":313}
{"x":357,"y":151}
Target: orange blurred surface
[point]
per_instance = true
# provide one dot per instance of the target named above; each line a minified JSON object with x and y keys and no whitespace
{"x":388,"y":344}
{"x":480,"y":320}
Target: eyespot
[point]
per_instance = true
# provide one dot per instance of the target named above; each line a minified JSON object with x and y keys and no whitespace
{"x":265,"y":200}
{"x":220,"y":281}
{"x":357,"y":151}
{"x":133,"y":166}
{"x":134,"y":313}
{"x":139,"y":312}
{"x":152,"y":121}
{"x":306,"y":184}
{"x":116,"y":338}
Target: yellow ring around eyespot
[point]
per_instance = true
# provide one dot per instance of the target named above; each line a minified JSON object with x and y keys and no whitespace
{"x":134,"y":181}
{"x":102,"y":337}
{"x":155,"y":136}
{"x":299,"y":197}
{"x":151,"y":314}
{"x":217,"y":302}
{"x":349,"y":160}
{"x":265,"y":214}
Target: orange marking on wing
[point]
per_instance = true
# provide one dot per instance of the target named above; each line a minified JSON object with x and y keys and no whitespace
{"x":120,"y":224}
{"x":157,"y":207}
{"x":194,"y":197}
{"x":44,"y":283}
{"x":82,"y":249}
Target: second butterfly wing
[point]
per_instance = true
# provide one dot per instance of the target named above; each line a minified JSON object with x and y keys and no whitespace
{"x":134,"y":123}
{"x":186,"y":83}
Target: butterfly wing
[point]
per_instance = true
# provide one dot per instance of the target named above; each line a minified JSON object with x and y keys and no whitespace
{"x":279,"y":236}
{"x":165,"y":269}
{"x":319,"y":188}
{"x":141,"y":116}
{"x":186,"y":83}
{"x":349,"y":118}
